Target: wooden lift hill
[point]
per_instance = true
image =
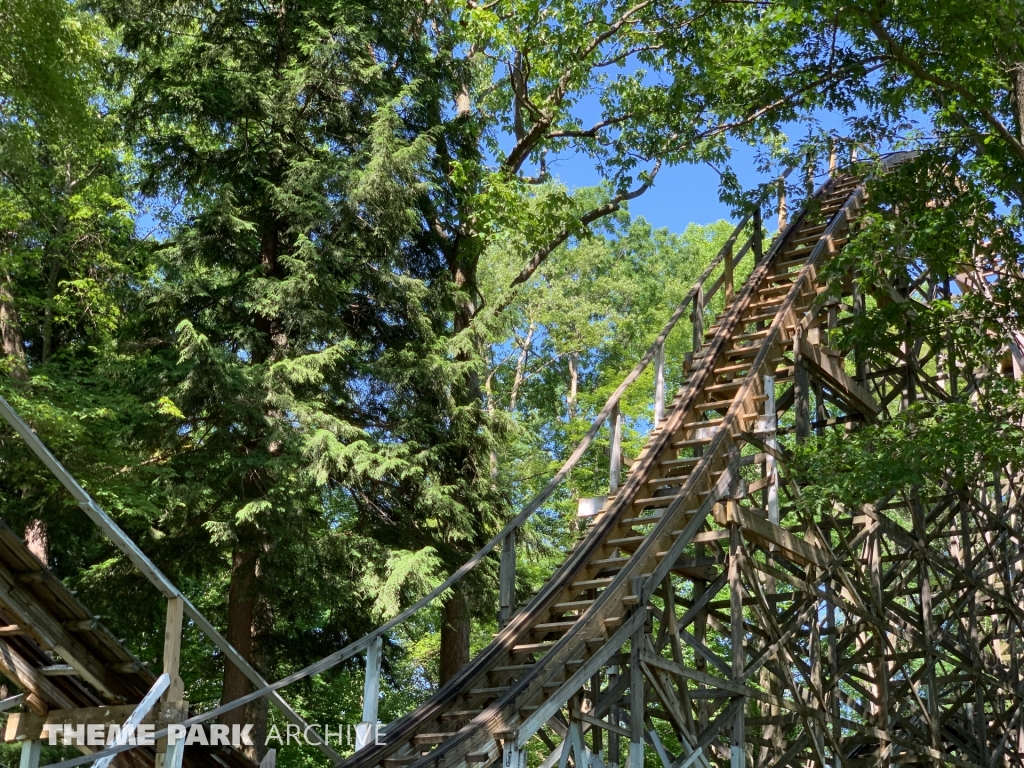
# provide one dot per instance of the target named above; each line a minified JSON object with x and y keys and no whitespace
{"x":707,"y":617}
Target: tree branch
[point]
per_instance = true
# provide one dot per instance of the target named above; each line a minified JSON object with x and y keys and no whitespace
{"x":588,"y":218}
{"x":900,"y":55}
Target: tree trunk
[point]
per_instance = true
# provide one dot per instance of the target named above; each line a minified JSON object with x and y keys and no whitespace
{"x":574,"y":384}
{"x":38,"y":541}
{"x":524,"y":353}
{"x":241,"y":611}
{"x":10,"y":332}
{"x":51,"y":298}
{"x":1018,"y":96}
{"x":455,"y":624}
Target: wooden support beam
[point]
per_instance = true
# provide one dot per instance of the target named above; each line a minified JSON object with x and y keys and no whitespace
{"x":801,"y":390}
{"x":659,"y":384}
{"x":507,"y":579}
{"x":27,"y":726}
{"x":615,"y":449}
{"x":757,"y":529}
{"x":738,"y":640}
{"x":50,"y":633}
{"x":636,"y":693}
{"x":172,"y":649}
{"x":828,"y":368}
{"x":39,"y":692}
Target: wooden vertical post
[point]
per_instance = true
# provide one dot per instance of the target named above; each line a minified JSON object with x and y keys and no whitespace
{"x":613,"y":736}
{"x":596,"y":733}
{"x":801,"y":391}
{"x":783,"y":213}
{"x":636,"y":691}
{"x":172,"y":649}
{"x":507,"y":579}
{"x":371,"y":692}
{"x":727,"y":277}
{"x":878,"y":670}
{"x":860,"y":358}
{"x":30,"y":754}
{"x":174,"y":707}
{"x":698,"y":320}
{"x":659,"y":384}
{"x":771,"y":440}
{"x":814,"y":651}
{"x":615,"y":460}
{"x":832,"y":164}
{"x":820,"y":414}
{"x":757,"y":238}
{"x":833,"y":664}
{"x":738,"y":638}
{"x":700,"y":625}
{"x":809,"y":178}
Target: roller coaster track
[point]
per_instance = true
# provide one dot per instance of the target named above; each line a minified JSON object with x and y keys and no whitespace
{"x":698,"y":624}
{"x":709,"y":616}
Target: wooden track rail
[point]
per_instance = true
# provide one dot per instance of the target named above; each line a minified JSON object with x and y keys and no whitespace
{"x":699,"y":623}
{"x":708,"y":616}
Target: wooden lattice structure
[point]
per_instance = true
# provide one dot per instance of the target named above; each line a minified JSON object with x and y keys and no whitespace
{"x":694,"y":625}
{"x":706,"y":618}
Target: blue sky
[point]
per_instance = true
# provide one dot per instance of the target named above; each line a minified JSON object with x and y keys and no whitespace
{"x":689,"y":193}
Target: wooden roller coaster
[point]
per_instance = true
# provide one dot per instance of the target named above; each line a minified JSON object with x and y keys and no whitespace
{"x":708,"y":617}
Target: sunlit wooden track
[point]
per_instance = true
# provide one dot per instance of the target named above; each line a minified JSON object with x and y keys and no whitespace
{"x":708,"y":616}
{"x":696,"y":624}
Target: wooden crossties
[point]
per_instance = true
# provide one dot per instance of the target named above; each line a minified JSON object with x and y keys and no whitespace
{"x":709,"y":617}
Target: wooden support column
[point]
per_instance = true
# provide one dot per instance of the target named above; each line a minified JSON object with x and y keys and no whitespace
{"x":659,"y":384}
{"x":615,"y":447}
{"x":174,"y":707}
{"x":172,"y":648}
{"x":801,"y":391}
{"x":757,"y":238}
{"x":507,"y":579}
{"x":783,"y":213}
{"x":814,"y":648}
{"x":700,"y":627}
{"x":371,"y":693}
{"x":951,"y":387}
{"x":616,"y":718}
{"x":697,"y":318}
{"x":861,"y":362}
{"x":636,"y":690}
{"x":595,"y":693}
{"x":980,"y":718}
{"x":771,"y":491}
{"x":879,"y":671}
{"x":833,"y":665}
{"x":738,"y":639}
{"x":727,"y":276}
